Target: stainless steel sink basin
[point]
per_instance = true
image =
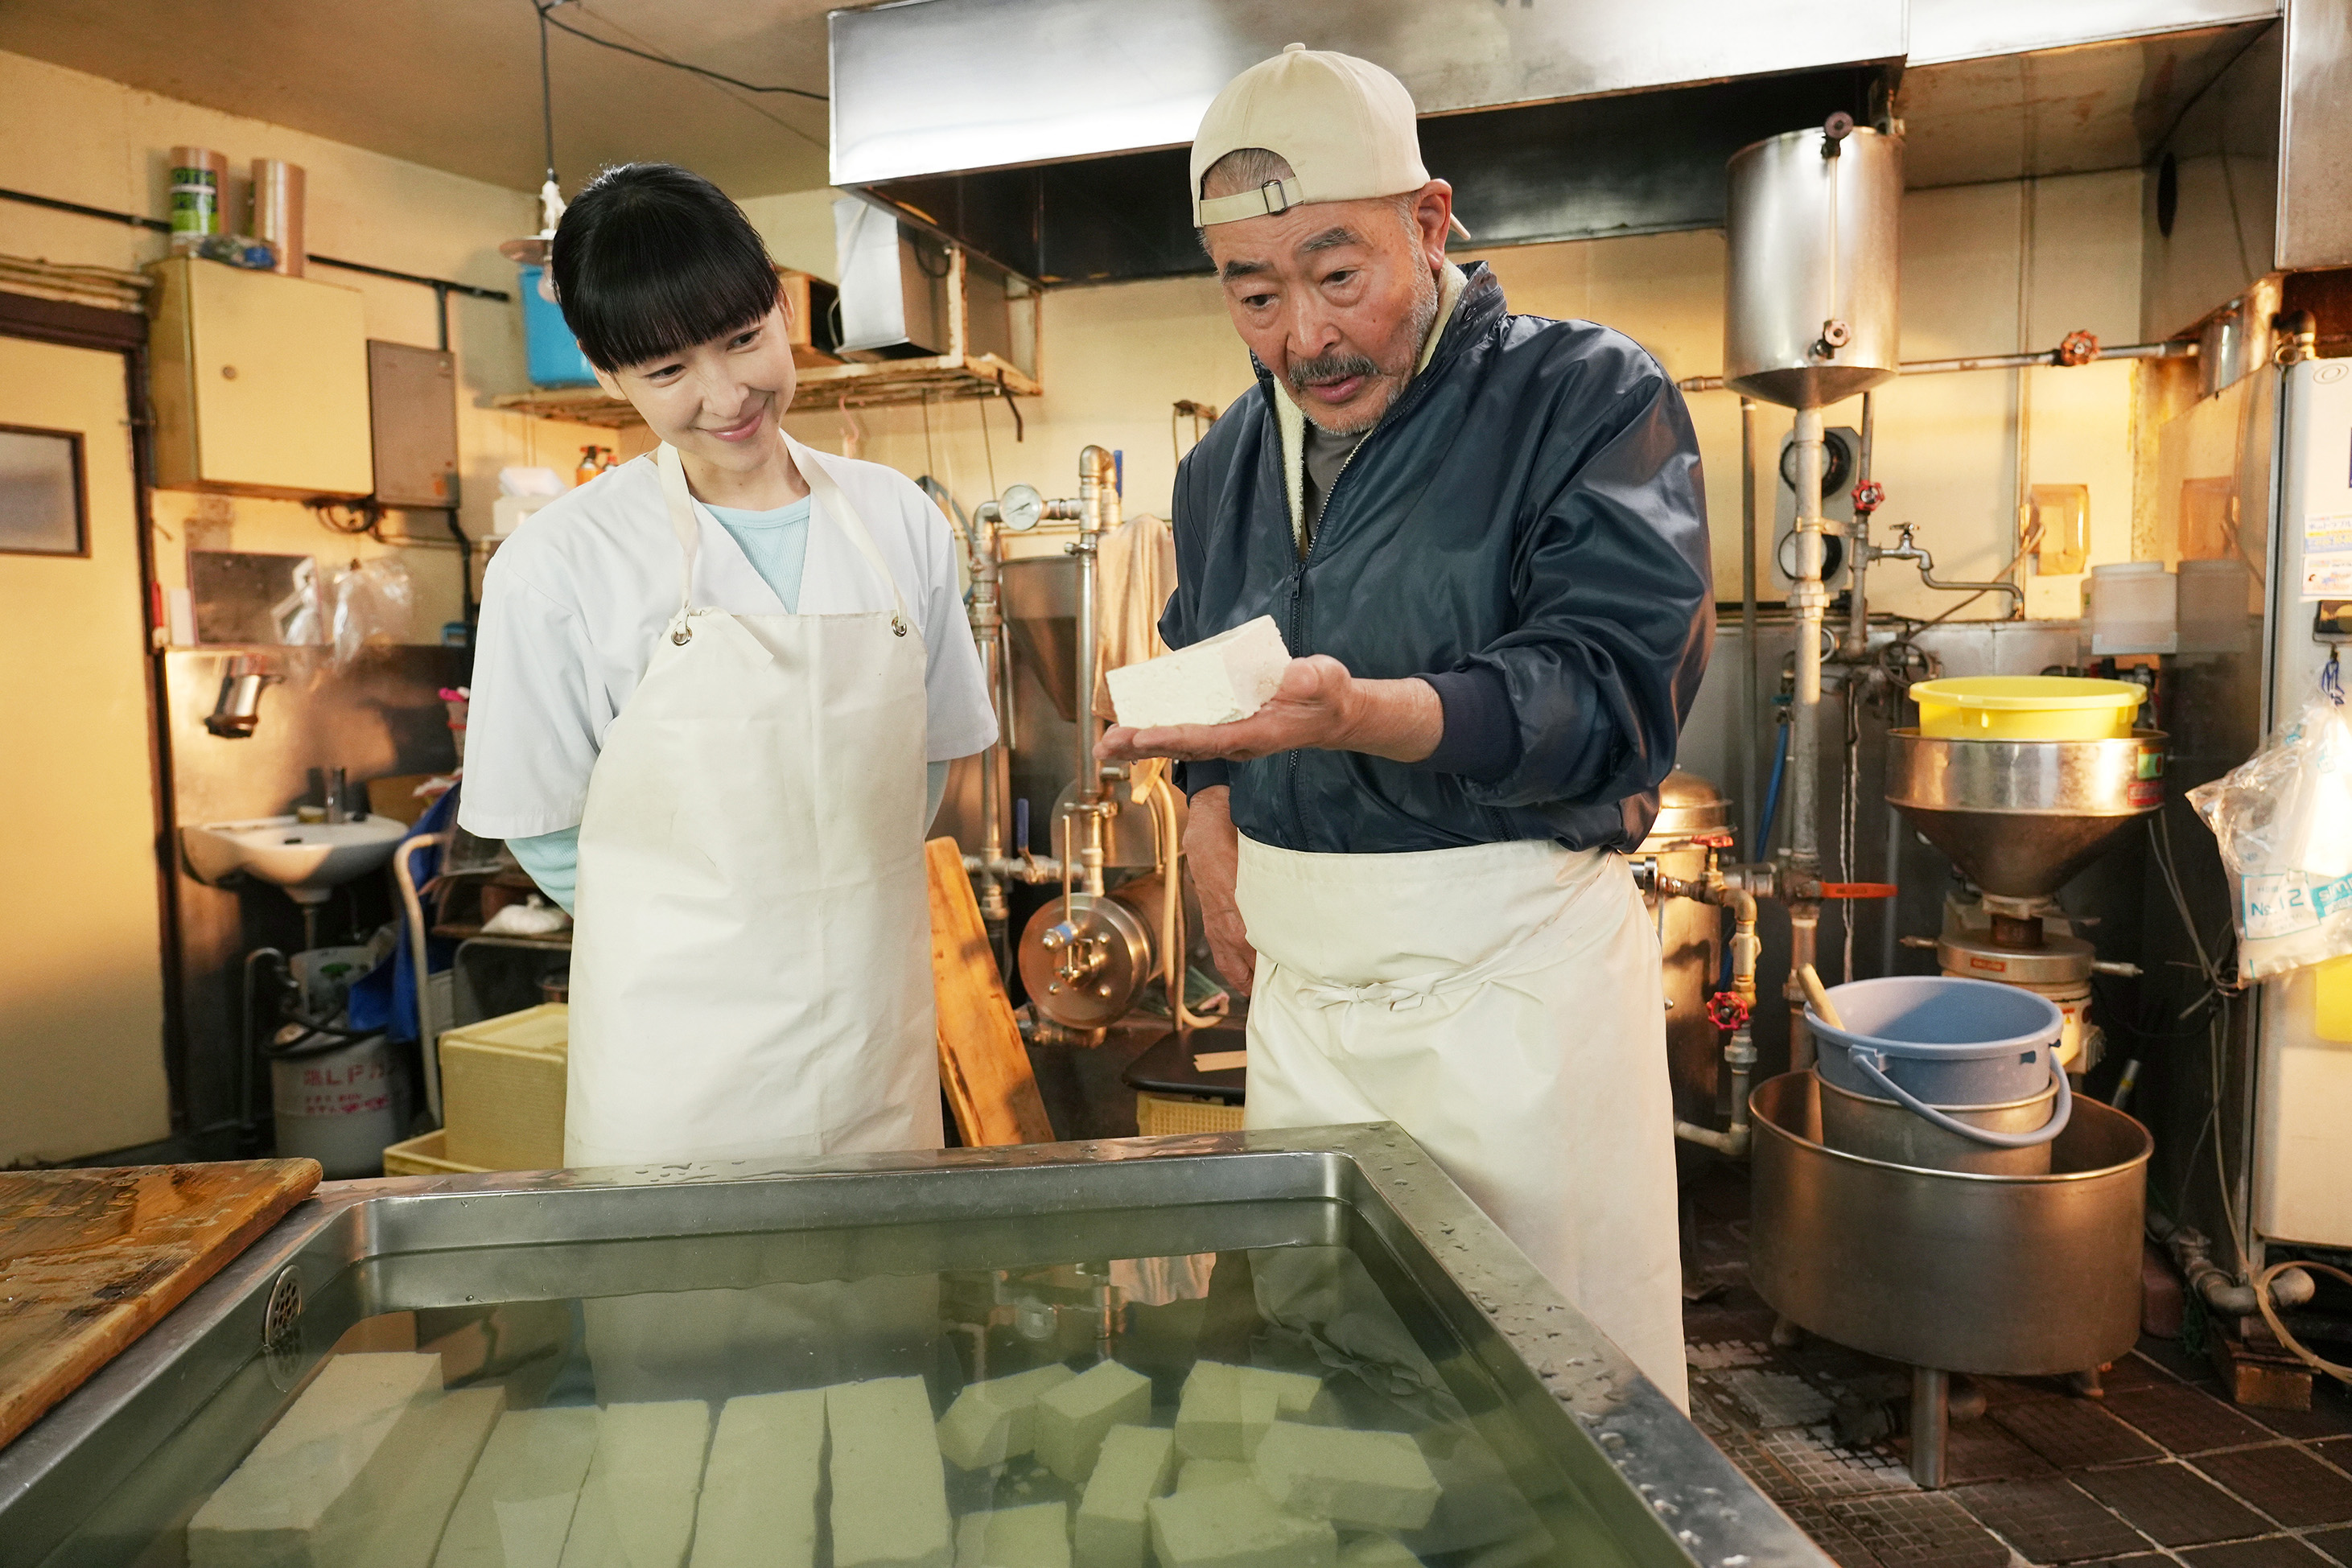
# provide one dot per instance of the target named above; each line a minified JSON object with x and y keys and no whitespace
{"x":1343,"y":1251}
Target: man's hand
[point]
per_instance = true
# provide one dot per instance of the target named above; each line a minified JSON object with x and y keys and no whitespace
{"x":1214,"y":850}
{"x":1319,"y":706}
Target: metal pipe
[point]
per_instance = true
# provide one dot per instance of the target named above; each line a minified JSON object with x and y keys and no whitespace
{"x":1096,"y":498}
{"x":1905,"y":550}
{"x":986,"y":613}
{"x":2063,"y":356}
{"x":1808,"y":600}
{"x":1931,"y":1393}
{"x":1747,"y":796}
{"x":2221,"y":1291}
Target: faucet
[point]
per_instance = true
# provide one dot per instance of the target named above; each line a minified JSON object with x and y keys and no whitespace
{"x":337,"y":787}
{"x":1905,"y":550}
{"x":239,"y":708}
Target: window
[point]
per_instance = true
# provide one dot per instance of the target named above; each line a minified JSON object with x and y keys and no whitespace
{"x":41,"y":507}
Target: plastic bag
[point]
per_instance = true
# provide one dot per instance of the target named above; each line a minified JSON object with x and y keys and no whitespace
{"x":373,"y":601}
{"x":2283,"y":820}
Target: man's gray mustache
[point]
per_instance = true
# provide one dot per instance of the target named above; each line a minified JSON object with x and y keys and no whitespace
{"x":1331,"y":368}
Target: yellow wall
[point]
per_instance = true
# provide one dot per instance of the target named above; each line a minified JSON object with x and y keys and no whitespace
{"x":1113,"y":358}
{"x":81,"y":139}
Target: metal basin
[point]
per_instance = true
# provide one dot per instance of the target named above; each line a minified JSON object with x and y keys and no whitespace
{"x":2021,"y":817}
{"x":1001,"y":1242}
{"x":2008,"y":1276}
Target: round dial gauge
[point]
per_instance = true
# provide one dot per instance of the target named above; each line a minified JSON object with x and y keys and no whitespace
{"x":1023,"y":506}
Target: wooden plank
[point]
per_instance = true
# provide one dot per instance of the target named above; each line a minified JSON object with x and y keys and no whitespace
{"x":92,"y":1258}
{"x":982,"y":1064}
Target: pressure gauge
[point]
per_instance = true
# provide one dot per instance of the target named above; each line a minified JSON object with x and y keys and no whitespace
{"x":1023,"y":506}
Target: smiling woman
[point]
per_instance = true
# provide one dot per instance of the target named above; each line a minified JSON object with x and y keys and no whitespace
{"x":707,"y":686}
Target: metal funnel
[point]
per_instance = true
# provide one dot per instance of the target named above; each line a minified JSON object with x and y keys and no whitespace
{"x":1040,"y":598}
{"x":2021,"y":817}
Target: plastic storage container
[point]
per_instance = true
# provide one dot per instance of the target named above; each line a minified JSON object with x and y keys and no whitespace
{"x":502,"y":1090}
{"x":2132,"y":607}
{"x":2026,"y":707}
{"x":555,"y":357}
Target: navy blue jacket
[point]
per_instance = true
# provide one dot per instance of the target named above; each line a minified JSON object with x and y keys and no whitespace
{"x":1526,"y":524}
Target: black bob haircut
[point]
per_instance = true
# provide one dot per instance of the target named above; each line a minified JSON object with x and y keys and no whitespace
{"x":651,"y":260}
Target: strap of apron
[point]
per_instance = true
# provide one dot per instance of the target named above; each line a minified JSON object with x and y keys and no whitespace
{"x":688,"y":526}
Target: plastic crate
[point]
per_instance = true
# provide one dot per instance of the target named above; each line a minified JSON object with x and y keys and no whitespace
{"x":502,"y":1086}
{"x":1157,"y":1115}
{"x":423,"y":1156}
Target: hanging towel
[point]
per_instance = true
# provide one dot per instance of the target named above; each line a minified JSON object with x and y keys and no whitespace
{"x":1136,"y":566}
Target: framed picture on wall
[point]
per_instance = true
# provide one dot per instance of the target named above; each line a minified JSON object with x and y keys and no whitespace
{"x":43,"y":507}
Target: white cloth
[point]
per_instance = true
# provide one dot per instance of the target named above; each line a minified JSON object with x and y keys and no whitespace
{"x":751,"y":973}
{"x":1504,"y":1004}
{"x":1137,"y":564}
{"x":573,"y":601}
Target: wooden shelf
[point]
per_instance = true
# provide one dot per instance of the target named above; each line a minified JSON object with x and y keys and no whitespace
{"x":881,"y":381}
{"x":576,"y":406}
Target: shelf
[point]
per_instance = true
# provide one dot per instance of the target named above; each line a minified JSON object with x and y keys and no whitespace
{"x":823,"y":386}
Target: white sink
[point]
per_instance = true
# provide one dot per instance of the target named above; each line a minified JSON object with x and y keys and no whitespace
{"x":307,"y":859}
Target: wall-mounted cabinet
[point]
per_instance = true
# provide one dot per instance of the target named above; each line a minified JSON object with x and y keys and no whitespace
{"x":259,"y":382}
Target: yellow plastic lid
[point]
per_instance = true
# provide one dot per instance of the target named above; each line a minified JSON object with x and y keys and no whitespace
{"x":2028,"y":693}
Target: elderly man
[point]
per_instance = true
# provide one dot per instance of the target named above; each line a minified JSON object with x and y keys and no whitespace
{"x":1484,"y":538}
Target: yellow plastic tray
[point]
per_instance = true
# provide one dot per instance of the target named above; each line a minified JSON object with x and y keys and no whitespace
{"x":2026,"y":707}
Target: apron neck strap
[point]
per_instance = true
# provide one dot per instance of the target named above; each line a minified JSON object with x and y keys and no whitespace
{"x":688,"y":526}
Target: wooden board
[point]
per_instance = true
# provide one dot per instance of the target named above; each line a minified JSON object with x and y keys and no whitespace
{"x":983,"y":1066}
{"x":91,"y":1258}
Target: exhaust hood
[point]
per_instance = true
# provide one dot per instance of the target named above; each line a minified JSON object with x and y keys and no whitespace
{"x":1051,"y":136}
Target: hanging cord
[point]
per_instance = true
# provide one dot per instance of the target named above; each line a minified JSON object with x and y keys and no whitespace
{"x":546,"y":92}
{"x":1848,"y":809}
{"x":2270,"y":1313}
{"x":545,"y":6}
{"x":1172,"y":926}
{"x":2331,"y":679}
{"x":987,"y":449}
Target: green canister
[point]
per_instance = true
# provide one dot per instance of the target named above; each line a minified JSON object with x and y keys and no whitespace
{"x":199,"y":185}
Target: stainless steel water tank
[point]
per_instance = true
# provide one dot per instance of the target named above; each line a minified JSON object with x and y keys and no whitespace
{"x":1811,"y":231}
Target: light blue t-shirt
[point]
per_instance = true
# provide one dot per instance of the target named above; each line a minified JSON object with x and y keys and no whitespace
{"x":776,"y":544}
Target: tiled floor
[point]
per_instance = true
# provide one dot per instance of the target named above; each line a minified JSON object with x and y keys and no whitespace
{"x":2160,"y":1472}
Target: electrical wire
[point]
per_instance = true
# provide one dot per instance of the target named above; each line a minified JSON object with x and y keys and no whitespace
{"x":545,"y":6}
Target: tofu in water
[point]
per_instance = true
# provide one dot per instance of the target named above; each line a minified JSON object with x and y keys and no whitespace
{"x":408,"y":1529}
{"x":1237,"y":1526}
{"x":1113,"y":1528}
{"x":637,"y":1508}
{"x":1224,"y":1411}
{"x":1378,"y":1551}
{"x":315,"y":1483}
{"x":1199,"y":1475}
{"x":1217,"y":680}
{"x":889,"y":1494}
{"x":517,"y":1507}
{"x":759,"y":1502}
{"x":1035,"y":1536}
{"x":1073,"y":1420}
{"x":995,"y":1420}
{"x":1364,"y":1481}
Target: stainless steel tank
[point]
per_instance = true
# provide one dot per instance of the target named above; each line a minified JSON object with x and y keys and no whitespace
{"x":1811,"y":229}
{"x":1694,"y":822}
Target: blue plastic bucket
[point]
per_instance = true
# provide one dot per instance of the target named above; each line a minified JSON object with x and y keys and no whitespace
{"x":1934,"y":1043}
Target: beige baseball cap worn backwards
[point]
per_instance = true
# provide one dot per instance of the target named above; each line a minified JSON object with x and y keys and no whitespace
{"x":1345,"y":126}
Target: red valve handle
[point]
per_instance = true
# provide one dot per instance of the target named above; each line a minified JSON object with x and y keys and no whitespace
{"x":1868,"y":497}
{"x":1726,"y":1011}
{"x":1857,"y":890}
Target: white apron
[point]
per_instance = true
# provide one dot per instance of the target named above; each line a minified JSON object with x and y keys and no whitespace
{"x":751,"y":970}
{"x":1504,"y":1004}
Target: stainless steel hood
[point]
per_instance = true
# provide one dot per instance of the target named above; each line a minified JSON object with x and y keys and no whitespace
{"x":1050,"y":135}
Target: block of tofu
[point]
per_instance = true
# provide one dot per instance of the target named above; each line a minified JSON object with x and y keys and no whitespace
{"x":1294,"y":1392}
{"x":1378,"y":1551}
{"x":406,"y":1532}
{"x":1073,"y":1420}
{"x":636,"y":1507}
{"x":1237,"y":1527}
{"x":1364,"y":1481}
{"x":889,"y":1494}
{"x":760,"y":1486}
{"x":1199,"y":1475}
{"x":1224,"y":1411}
{"x":317,"y":1479}
{"x":1135,"y":1466}
{"x":1217,"y":680}
{"x":995,"y":1420}
{"x":1035,"y":1536}
{"x":517,"y":1506}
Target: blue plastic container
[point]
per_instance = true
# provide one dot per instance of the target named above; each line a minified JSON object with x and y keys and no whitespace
{"x":1933,"y":1043}
{"x":555,"y":357}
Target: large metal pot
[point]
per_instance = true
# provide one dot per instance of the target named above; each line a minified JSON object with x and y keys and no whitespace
{"x":2009,"y":1276}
